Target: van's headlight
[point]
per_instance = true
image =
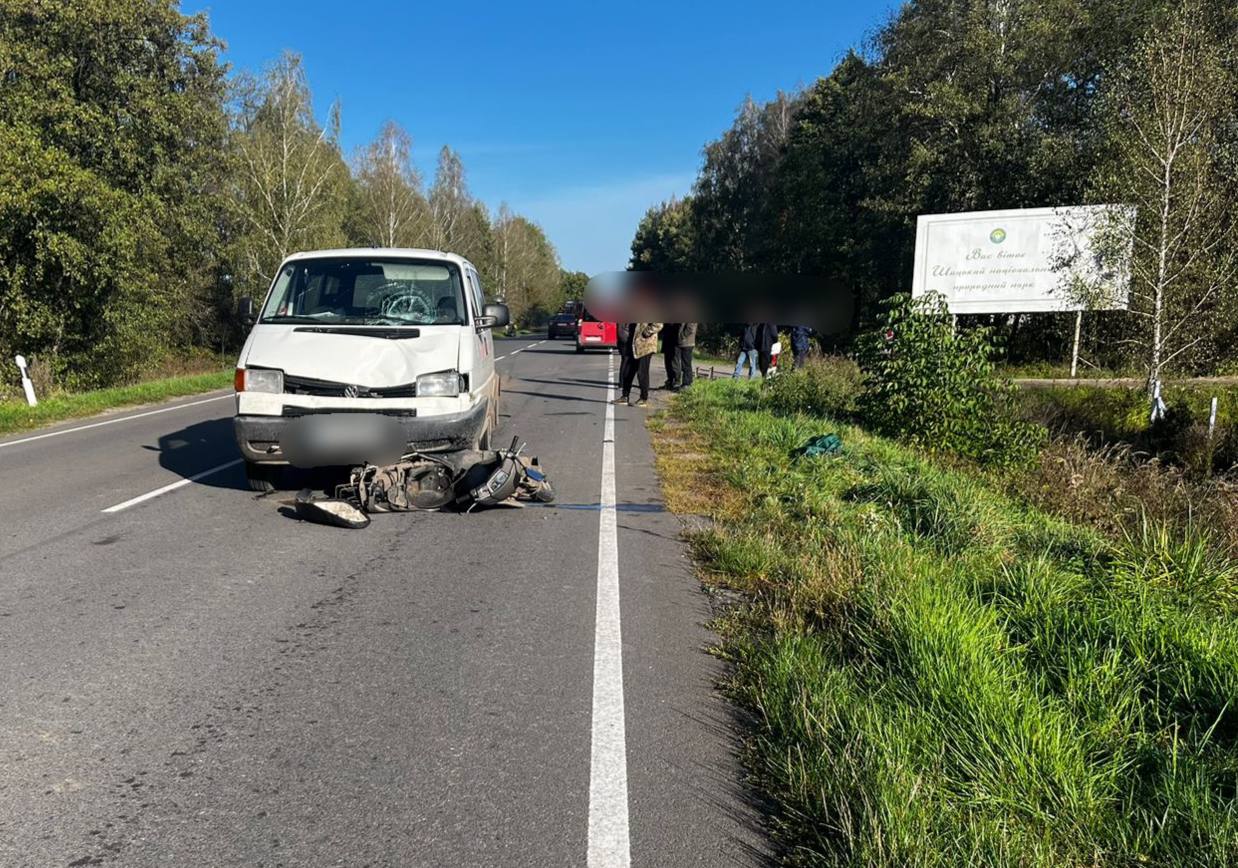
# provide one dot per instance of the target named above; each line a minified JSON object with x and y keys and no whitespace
{"x":444,"y":384}
{"x":259,"y":380}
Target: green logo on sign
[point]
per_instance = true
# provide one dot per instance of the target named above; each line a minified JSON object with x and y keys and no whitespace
{"x":997,"y":236}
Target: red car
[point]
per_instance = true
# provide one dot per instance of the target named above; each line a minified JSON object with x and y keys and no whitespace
{"x":592,"y":334}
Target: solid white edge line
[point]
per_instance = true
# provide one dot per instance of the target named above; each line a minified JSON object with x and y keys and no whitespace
{"x":608,"y":773}
{"x":172,"y":486}
{"x":114,"y":421}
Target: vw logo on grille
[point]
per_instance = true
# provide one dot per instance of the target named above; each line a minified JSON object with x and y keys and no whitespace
{"x":351,"y":391}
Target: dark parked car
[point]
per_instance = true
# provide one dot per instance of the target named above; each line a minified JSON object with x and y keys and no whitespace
{"x":561,"y":325}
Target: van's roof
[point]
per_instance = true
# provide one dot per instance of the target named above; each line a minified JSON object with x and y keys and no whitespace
{"x":387,"y":252}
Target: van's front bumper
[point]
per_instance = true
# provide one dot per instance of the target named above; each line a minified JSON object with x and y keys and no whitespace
{"x":260,"y":437}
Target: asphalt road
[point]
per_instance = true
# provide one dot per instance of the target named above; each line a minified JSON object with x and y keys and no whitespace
{"x":201,"y":679}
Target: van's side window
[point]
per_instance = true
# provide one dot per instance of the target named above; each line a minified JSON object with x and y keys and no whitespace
{"x":479,"y":297}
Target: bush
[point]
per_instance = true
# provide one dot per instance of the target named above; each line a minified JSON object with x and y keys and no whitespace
{"x":938,"y":388}
{"x":827,"y":386}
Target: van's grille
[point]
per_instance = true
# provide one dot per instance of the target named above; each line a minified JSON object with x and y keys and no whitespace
{"x":294,"y":385}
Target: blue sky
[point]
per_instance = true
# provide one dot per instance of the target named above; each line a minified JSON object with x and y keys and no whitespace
{"x":578,"y":115}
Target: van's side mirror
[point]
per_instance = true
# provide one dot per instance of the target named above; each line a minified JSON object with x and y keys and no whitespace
{"x":245,"y":310}
{"x":493,"y":316}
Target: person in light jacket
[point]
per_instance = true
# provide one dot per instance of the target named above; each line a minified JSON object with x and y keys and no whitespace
{"x":644,"y":345}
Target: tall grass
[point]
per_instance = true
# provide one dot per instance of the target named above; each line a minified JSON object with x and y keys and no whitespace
{"x":942,"y":674}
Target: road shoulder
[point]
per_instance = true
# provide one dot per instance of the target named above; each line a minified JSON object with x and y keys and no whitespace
{"x":688,"y":801}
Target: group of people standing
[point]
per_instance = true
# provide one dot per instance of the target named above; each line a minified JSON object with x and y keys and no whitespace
{"x":638,"y":342}
{"x":756,"y":346}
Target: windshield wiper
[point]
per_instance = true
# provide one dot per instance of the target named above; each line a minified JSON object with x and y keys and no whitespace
{"x":309,"y":320}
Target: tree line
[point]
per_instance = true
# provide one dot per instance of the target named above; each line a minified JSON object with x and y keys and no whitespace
{"x":143,"y":189}
{"x":972,"y":105}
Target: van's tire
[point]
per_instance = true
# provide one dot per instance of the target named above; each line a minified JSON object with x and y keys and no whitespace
{"x":579,"y":348}
{"x":262,"y":477}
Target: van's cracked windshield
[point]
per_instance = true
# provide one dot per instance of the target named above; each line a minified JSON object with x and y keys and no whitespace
{"x":619,"y":434}
{"x":360,"y":290}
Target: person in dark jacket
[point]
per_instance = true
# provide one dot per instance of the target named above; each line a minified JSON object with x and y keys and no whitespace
{"x":747,"y":351}
{"x":766,"y":337}
{"x":801,"y":340}
{"x":623,"y":340}
{"x":687,"y":344}
{"x":670,"y":354}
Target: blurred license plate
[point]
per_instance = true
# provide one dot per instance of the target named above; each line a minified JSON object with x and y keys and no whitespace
{"x":343,"y":438}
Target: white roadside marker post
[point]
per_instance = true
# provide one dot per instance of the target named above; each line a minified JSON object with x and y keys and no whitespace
{"x":26,"y":385}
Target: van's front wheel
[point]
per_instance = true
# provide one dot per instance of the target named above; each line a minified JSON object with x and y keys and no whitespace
{"x":262,"y":477}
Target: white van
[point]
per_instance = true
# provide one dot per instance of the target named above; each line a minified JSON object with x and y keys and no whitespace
{"x":400,"y":337}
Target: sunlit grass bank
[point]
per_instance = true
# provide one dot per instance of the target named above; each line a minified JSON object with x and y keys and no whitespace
{"x":940,"y":675}
{"x":17,"y":416}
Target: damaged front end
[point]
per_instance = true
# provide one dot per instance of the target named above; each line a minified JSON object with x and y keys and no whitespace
{"x":427,"y":482}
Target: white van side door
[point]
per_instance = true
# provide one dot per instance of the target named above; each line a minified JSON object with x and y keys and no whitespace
{"x":483,"y":339}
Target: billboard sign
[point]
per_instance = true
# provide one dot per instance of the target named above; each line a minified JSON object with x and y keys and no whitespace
{"x":1025,"y":260}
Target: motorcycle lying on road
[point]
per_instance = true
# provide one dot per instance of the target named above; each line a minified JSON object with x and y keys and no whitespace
{"x":423,"y":481}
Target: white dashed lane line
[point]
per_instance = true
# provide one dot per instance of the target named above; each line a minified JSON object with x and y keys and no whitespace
{"x":180,"y":483}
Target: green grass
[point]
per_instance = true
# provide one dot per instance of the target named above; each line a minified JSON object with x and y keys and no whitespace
{"x":17,"y":416}
{"x":942,"y":675}
{"x":1060,"y":370}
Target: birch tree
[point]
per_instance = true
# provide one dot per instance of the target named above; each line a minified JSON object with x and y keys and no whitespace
{"x":291,"y":180}
{"x":526,"y":270}
{"x":449,"y":202}
{"x":393,"y":211}
{"x":1167,"y":117}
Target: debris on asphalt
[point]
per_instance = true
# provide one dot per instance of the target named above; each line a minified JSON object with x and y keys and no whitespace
{"x":427,"y":482}
{"x":329,"y":510}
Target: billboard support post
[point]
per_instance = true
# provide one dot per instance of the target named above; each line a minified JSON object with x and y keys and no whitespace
{"x":1074,"y":356}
